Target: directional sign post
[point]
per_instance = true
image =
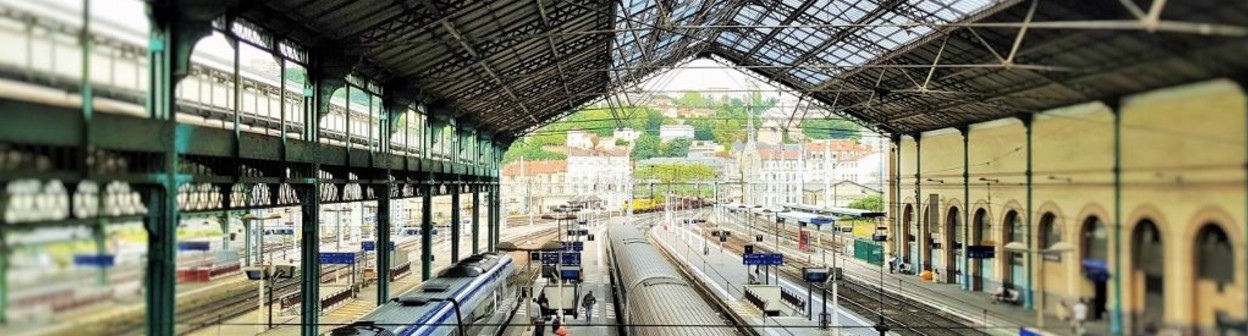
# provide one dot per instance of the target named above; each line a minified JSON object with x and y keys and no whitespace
{"x":571,"y":258}
{"x":369,"y":245}
{"x":340,"y":258}
{"x":766,"y":259}
{"x":97,"y":260}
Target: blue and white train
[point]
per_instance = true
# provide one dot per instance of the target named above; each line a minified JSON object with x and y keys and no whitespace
{"x":478,"y":284}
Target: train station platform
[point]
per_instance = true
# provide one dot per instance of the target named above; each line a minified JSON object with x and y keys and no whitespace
{"x":596,"y":279}
{"x":975,"y":307}
{"x":725,"y":272}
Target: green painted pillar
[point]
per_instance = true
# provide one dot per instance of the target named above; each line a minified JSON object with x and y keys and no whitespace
{"x":476,"y":219}
{"x":99,"y":234}
{"x":426,"y":230}
{"x":223,"y":220}
{"x":310,"y":256}
{"x":494,"y":218}
{"x":1116,"y":320}
{"x":175,"y":28}
{"x":383,"y":243}
{"x":966,"y":208}
{"x":247,"y":243}
{"x":4,"y":278}
{"x":455,"y":222}
{"x":160,"y":275}
{"x":1029,"y":294}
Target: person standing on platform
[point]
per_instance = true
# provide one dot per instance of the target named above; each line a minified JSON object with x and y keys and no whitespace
{"x":588,"y":302}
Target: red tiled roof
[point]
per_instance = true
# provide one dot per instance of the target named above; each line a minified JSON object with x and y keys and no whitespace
{"x":535,"y":167}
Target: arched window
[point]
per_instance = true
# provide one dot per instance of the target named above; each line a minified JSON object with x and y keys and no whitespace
{"x":1014,"y":229}
{"x":1050,"y":230}
{"x":1215,"y":257}
{"x":1095,"y":239}
{"x":907,"y":220}
{"x":984,"y":227}
{"x":1147,"y":248}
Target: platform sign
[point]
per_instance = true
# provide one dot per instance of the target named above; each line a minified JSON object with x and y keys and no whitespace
{"x":550,"y":258}
{"x":97,"y":260}
{"x":341,"y":258}
{"x":571,"y":274}
{"x":535,"y":256}
{"x":571,"y":258}
{"x":194,"y":246}
{"x":821,"y":220}
{"x":981,"y":251}
{"x":574,"y":246}
{"x":774,"y":259}
{"x":369,"y":245}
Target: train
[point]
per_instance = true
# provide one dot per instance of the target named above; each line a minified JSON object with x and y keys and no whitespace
{"x":644,"y":205}
{"x":468,"y":295}
{"x":649,"y":291}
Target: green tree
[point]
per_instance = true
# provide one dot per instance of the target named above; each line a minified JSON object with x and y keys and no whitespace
{"x":677,"y":148}
{"x":817,"y":129}
{"x":647,"y":146}
{"x":691,"y":99}
{"x":702,"y":129}
{"x":621,"y":142}
{"x":675,"y":172}
{"x":874,"y":202}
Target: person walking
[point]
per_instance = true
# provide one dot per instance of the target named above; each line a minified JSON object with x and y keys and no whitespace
{"x":543,"y":304}
{"x":588,"y":302}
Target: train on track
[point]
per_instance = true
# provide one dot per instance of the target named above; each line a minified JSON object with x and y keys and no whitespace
{"x":655,"y":300}
{"x":644,"y":205}
{"x":469,"y":295}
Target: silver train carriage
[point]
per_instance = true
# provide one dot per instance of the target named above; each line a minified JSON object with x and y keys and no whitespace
{"x":656,"y":299}
{"x":478,"y":284}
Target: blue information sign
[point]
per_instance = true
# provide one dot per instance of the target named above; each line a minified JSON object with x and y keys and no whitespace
{"x":369,"y":245}
{"x":571,"y":258}
{"x":342,"y":258}
{"x":981,"y":251}
{"x":566,"y":258}
{"x":98,"y":260}
{"x":194,"y":246}
{"x":764,"y":259}
{"x":550,"y":258}
{"x":821,"y":220}
{"x":574,"y":246}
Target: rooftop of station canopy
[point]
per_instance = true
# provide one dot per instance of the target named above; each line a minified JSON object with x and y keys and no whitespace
{"x":899,"y":67}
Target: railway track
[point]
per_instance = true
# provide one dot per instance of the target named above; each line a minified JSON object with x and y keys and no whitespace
{"x":902,"y":315}
{"x":705,"y":292}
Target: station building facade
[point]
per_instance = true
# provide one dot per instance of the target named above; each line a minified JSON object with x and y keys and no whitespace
{"x":1167,"y":246}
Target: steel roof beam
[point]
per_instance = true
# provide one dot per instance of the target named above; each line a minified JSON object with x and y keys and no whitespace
{"x":450,"y":28}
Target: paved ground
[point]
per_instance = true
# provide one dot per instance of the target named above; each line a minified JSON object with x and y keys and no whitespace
{"x":727,"y":274}
{"x":1000,"y":319}
{"x":596,"y":280}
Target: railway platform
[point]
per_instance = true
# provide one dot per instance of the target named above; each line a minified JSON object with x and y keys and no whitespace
{"x":725,"y":272}
{"x":950,"y":298}
{"x":596,"y":279}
